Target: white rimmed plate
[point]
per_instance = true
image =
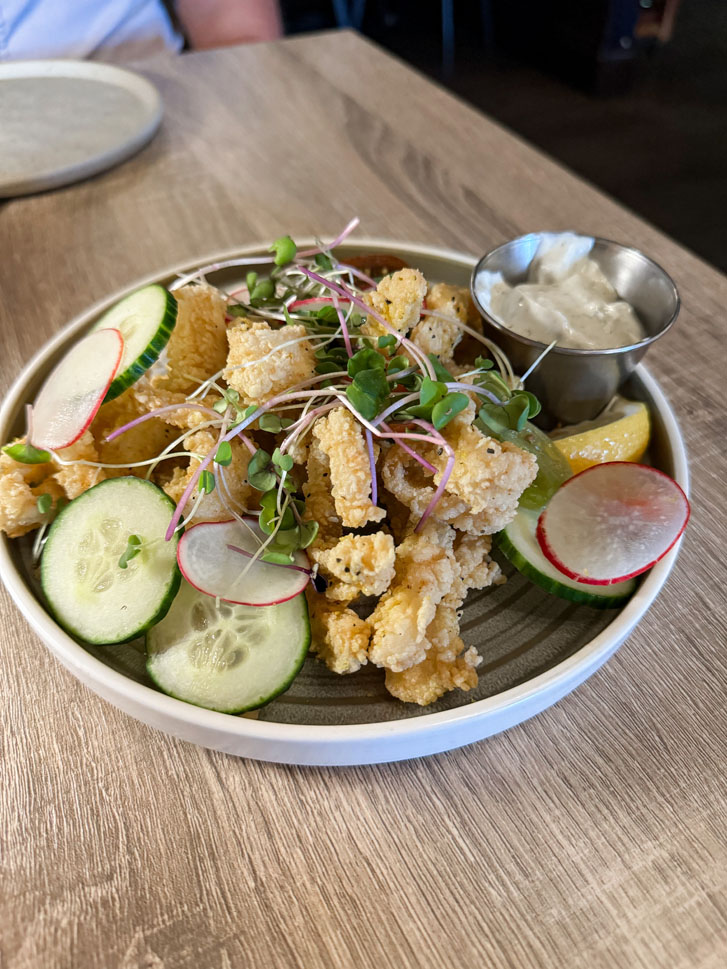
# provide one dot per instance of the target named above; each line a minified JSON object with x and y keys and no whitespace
{"x":536,"y":648}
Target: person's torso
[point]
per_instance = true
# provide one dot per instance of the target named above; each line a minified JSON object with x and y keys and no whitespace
{"x":99,"y":29}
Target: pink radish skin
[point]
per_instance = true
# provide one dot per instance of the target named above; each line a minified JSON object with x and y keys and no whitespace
{"x":208,"y":564}
{"x":314,"y":303}
{"x":71,"y":396}
{"x":624,"y":509}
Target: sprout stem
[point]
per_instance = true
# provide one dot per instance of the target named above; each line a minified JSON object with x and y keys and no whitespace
{"x":279,"y":565}
{"x":372,"y":464}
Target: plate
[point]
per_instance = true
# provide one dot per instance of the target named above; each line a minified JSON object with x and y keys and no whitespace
{"x":65,"y":120}
{"x":536,"y":648}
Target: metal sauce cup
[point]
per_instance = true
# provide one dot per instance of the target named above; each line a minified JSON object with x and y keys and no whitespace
{"x":575,"y":385}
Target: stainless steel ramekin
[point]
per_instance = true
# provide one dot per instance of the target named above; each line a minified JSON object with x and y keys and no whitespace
{"x":575,"y":385}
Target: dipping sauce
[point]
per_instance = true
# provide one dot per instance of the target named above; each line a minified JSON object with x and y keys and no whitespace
{"x":566,"y":298}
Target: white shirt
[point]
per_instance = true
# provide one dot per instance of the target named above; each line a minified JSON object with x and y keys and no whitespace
{"x":98,"y":29}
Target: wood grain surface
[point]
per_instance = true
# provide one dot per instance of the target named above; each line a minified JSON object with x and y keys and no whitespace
{"x":592,"y":836}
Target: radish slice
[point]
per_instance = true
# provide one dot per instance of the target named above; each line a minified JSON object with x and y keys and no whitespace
{"x":210,"y":566}
{"x":315,"y":303}
{"x":612,"y":522}
{"x":71,"y":396}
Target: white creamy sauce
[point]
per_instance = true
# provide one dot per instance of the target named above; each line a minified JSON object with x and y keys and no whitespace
{"x":566,"y":298}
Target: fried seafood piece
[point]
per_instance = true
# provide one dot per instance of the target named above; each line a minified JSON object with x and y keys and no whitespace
{"x":197,"y":348}
{"x":477,"y":568}
{"x":77,"y":478}
{"x":425,"y":573}
{"x":486,"y":482}
{"x":448,"y":664}
{"x":263,"y":362}
{"x":357,"y":565}
{"x":146,"y":440}
{"x":398,"y":299}
{"x":433,"y":677}
{"x":338,"y":636}
{"x":19,"y":495}
{"x":412,"y":486}
{"x":341,"y":439}
{"x":487,"y":475}
{"x":31,"y":474}
{"x":22,"y":484}
{"x":441,"y":336}
{"x":319,"y":504}
{"x":232,"y":489}
{"x":154,"y":392}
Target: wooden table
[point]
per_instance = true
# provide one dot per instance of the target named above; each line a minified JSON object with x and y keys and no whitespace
{"x":591,"y":836}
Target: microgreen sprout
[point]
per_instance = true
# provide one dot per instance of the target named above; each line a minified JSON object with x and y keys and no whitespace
{"x":207,"y":481}
{"x":283,"y":461}
{"x":44,"y":504}
{"x":259,"y":471}
{"x":273,"y":424}
{"x":447,"y":408}
{"x":223,"y":455}
{"x":25,"y":453}
{"x":133,"y":547}
{"x":264,"y":289}
{"x":284,"y":249}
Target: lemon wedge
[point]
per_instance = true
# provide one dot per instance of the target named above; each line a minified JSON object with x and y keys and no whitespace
{"x":620,"y":433}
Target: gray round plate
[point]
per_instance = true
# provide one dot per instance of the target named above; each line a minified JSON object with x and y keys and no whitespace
{"x":62,"y":121}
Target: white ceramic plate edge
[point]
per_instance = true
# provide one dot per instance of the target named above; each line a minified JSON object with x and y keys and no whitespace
{"x":331,"y":745}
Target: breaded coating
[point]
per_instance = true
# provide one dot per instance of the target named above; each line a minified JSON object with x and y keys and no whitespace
{"x":441,"y":336}
{"x":197,"y":348}
{"x":359,"y":564}
{"x":32,"y":474}
{"x":412,"y":486}
{"x":425,"y":573}
{"x":261,"y":364}
{"x":139,"y":443}
{"x":156,"y":392}
{"x":477,"y":569}
{"x":485,"y":485}
{"x":341,"y":438}
{"x":175,"y":485}
{"x":319,"y":504}
{"x":22,"y":484}
{"x":433,"y":677}
{"x":458,"y":300}
{"x":232,"y":490}
{"x":448,"y":665}
{"x":398,"y":299}
{"x":488,"y":476}
{"x":338,"y":636}
{"x":298,"y":449}
{"x":77,"y":478}
{"x":19,"y":501}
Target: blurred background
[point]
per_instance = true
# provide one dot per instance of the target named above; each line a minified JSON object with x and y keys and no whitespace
{"x":630,"y":94}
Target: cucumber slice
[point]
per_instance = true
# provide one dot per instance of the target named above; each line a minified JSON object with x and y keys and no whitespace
{"x":226,"y":657}
{"x":88,"y":592}
{"x":146,"y":319}
{"x":519,"y":544}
